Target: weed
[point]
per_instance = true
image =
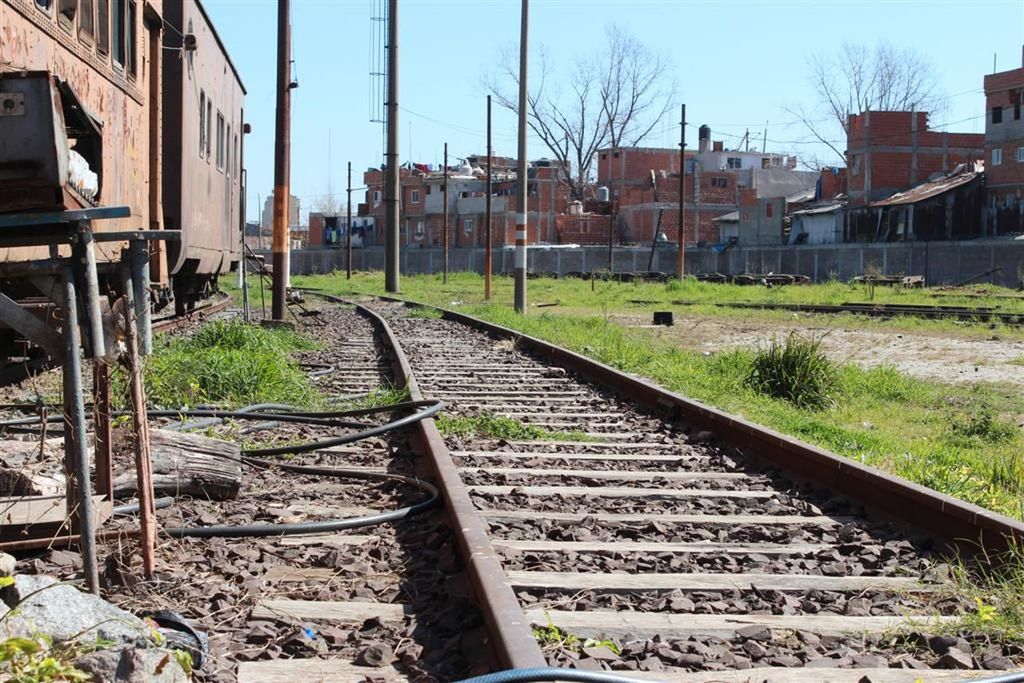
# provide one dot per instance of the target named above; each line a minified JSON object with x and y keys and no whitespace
{"x":980,"y":423}
{"x":551,"y":637}
{"x":497,"y":427}
{"x":229,"y":363}
{"x":425,"y":312}
{"x":996,"y":585}
{"x":797,"y":371}
{"x":384,"y":395}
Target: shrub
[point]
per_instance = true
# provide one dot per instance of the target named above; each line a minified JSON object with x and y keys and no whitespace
{"x":796,"y":371}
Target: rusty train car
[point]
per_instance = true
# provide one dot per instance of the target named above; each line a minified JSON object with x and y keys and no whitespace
{"x":124,"y":103}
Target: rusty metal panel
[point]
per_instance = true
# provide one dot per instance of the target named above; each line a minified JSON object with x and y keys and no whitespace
{"x":33,"y":40}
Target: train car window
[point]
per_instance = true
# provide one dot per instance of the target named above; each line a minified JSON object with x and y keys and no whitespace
{"x":131,"y":38}
{"x":67,"y":9}
{"x":86,"y":19}
{"x":209,"y":127}
{"x":227,"y":151}
{"x":103,"y":26}
{"x":220,"y":141}
{"x":45,"y":6}
{"x":238,"y":163}
{"x":117,"y":31}
{"x":202,"y":123}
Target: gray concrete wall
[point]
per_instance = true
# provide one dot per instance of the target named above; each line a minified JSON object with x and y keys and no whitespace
{"x":939,"y":262}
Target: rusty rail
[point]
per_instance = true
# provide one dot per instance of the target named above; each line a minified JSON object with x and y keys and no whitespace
{"x":968,"y":527}
{"x":512,"y":640}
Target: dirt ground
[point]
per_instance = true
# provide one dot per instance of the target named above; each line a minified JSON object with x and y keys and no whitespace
{"x":929,"y":355}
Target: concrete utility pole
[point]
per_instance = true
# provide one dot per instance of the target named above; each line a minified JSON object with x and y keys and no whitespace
{"x":282,"y":142}
{"x":348,"y":228}
{"x":521,"y":209}
{"x":490,"y":238}
{"x":444,"y":219}
{"x":391,"y":180}
{"x":681,"y":264}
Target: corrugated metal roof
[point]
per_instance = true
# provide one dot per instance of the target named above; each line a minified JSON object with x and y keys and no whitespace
{"x":733,"y":217}
{"x":956,"y":179}
{"x":826,"y":208}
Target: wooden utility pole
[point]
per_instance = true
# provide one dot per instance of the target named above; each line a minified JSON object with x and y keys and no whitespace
{"x":348,"y":228}
{"x":444,"y":219}
{"x":489,"y":242}
{"x":391,"y":180}
{"x":282,"y":142}
{"x":521,"y":179}
{"x":681,"y":260}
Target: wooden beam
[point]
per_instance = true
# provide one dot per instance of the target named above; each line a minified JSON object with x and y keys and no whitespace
{"x":575,"y":581}
{"x":31,"y":327}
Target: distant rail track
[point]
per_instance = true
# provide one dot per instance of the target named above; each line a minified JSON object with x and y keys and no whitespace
{"x":965,"y":313}
{"x":699,"y":541}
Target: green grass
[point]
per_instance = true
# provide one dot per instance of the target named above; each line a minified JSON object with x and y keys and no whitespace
{"x":955,"y":439}
{"x":580,"y":297}
{"x":795,"y":370}
{"x":229,"y":364}
{"x":381,"y":396}
{"x":996,"y":584}
{"x":502,"y":428}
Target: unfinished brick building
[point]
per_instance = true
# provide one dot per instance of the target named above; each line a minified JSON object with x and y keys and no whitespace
{"x":1004,"y":152}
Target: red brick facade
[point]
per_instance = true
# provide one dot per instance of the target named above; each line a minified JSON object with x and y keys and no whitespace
{"x":1004,"y":152}
{"x":892,"y":151}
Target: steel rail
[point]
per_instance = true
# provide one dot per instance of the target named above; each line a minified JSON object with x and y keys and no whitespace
{"x":511,"y":637}
{"x":173,"y":322}
{"x":967,"y":527}
{"x":962,"y":313}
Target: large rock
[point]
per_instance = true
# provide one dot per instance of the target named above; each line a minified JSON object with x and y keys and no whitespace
{"x":64,"y":613}
{"x":132,"y":665}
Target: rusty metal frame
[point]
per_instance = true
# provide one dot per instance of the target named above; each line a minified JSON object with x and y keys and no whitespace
{"x":969,"y":528}
{"x":511,"y":637}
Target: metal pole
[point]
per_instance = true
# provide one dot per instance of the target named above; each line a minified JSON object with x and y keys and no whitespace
{"x":281,"y":144}
{"x":611,"y":238}
{"x":348,"y":228}
{"x":521,"y":179}
{"x":76,"y":451}
{"x":444,"y":219}
{"x":681,"y":264}
{"x":489,"y":242}
{"x":84,"y":252}
{"x":138,"y":259}
{"x":391,"y":180}
{"x":244,"y":265}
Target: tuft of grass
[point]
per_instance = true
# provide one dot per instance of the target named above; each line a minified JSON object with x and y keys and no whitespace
{"x":551,"y":637}
{"x":227,"y":363}
{"x":980,"y":423}
{"x":384,"y":395}
{"x":996,"y":585}
{"x":497,"y":427}
{"x":424,"y":312}
{"x":797,"y":371}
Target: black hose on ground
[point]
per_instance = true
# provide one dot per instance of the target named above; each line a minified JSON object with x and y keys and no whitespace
{"x":255,"y":458}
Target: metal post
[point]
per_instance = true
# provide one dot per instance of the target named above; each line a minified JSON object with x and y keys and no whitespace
{"x":521,"y":179}
{"x":348,"y":228}
{"x":611,"y":238}
{"x":281,"y":144}
{"x":76,"y":453}
{"x":681,"y":261}
{"x":84,"y":253}
{"x":138,"y":259}
{"x":245,"y":258}
{"x":103,"y":436}
{"x":391,"y":180}
{"x":444,"y":219}
{"x":489,"y":241}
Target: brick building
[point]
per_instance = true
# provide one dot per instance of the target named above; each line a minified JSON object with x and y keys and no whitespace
{"x":1004,"y":152}
{"x":422,"y":203}
{"x":717,"y":182}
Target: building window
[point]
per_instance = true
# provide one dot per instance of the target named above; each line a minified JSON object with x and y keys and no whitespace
{"x":202,"y":123}
{"x":604,"y":156}
{"x":376,"y":196}
{"x":66,"y":11}
{"x":997,"y":156}
{"x":45,"y":5}
{"x":734,"y":162}
{"x":719,"y":181}
{"x":103,"y":26}
{"x":467,"y":225}
{"x":997,"y":114}
{"x":615,"y":155}
{"x":415,"y":198}
{"x":856,"y":164}
{"x":769,"y":210}
{"x":129,"y":39}
{"x":1016,"y":108}
{"x":419,"y":229}
{"x":1020,"y":155}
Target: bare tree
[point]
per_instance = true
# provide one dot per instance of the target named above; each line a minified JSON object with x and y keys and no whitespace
{"x":858,"y":79}
{"x":613,"y":98}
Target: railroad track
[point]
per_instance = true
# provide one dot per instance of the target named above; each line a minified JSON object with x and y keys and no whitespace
{"x":964,"y":313}
{"x":643,"y":533}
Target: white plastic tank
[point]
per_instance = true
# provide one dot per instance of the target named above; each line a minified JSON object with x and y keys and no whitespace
{"x":575,"y":208}
{"x":602,"y":194}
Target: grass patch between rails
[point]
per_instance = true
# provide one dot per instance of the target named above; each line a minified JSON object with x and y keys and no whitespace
{"x":227,"y":363}
{"x":497,"y":427}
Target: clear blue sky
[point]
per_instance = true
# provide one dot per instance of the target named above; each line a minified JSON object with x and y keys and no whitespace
{"x":737,"y":64}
